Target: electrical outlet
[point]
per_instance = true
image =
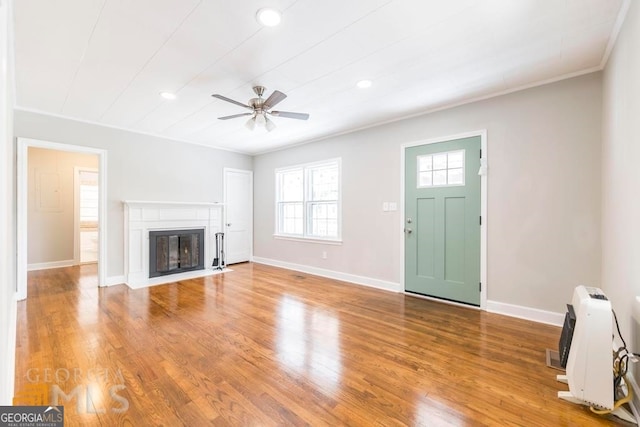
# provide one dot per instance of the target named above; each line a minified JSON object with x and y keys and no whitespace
{"x":324,"y":254}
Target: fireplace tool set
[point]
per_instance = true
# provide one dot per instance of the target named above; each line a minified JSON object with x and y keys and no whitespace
{"x":218,"y":261}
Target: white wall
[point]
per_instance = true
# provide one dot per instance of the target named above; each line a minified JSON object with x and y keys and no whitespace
{"x":51,"y":217}
{"x":7,"y":212}
{"x":140,"y":167}
{"x":543,"y":201}
{"x":621,"y":176}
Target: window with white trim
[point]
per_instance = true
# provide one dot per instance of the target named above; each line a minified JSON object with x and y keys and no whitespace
{"x":308,"y":201}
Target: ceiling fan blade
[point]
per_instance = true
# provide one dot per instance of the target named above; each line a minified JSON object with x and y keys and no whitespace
{"x":290,"y":115}
{"x":234,"y":116}
{"x":224,"y":98}
{"x":273,"y":99}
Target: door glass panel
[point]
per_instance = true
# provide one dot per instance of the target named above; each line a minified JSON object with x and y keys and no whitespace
{"x":440,"y":161}
{"x":455,"y":177}
{"x":455,"y":159}
{"x":425,"y":179}
{"x":425,"y":163}
{"x":440,"y":177}
{"x":442,"y":169}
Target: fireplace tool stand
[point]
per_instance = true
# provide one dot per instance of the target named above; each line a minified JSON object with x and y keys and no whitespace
{"x":218,"y":261}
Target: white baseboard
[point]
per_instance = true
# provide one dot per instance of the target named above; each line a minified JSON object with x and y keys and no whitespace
{"x":527,"y":313}
{"x":635,"y":402}
{"x":115,"y":280}
{"x":53,"y":264}
{"x":330,"y":274}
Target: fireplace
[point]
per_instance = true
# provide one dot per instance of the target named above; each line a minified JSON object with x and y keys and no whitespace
{"x":175,"y":251}
{"x":143,"y":217}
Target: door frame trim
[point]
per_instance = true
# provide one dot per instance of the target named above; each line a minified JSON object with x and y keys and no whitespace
{"x":224,"y":198}
{"x":22,"y":195}
{"x":483,"y":205}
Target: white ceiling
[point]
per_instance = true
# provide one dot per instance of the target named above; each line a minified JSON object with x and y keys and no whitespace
{"x":106,"y":61}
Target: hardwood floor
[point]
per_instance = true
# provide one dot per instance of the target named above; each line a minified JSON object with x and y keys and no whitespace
{"x":262,"y":346}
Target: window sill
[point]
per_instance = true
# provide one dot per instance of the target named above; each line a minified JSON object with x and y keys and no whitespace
{"x":308,"y":239}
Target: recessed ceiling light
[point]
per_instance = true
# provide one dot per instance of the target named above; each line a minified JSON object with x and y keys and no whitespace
{"x":168,"y":95}
{"x":364,"y":84}
{"x":269,"y":17}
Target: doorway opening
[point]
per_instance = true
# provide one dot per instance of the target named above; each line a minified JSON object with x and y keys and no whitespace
{"x":46,"y":198}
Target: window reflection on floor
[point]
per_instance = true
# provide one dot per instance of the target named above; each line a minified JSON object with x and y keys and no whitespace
{"x":429,"y":410}
{"x":308,"y":342}
{"x":86,"y":301}
{"x":88,"y":245}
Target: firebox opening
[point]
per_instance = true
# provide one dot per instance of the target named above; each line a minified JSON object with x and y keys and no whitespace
{"x":175,"y":251}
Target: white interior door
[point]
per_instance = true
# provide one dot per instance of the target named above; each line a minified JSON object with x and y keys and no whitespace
{"x":238,"y":200}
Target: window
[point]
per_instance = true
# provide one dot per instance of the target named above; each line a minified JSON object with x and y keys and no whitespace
{"x":88,"y":198}
{"x":441,"y":169}
{"x":308,"y":201}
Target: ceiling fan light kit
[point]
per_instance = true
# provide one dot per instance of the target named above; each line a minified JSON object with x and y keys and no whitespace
{"x":260,"y":120}
{"x":268,"y":124}
{"x":260,"y":108}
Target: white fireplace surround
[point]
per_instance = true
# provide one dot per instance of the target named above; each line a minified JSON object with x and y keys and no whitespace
{"x":140,"y":217}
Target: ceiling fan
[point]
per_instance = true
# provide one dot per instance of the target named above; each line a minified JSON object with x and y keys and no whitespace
{"x":260,"y":108}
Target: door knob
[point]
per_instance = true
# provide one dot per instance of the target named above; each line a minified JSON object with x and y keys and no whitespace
{"x":228,"y":224}
{"x":408,"y":230}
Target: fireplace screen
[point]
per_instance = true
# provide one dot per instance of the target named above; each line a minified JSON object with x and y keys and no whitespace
{"x":175,"y":251}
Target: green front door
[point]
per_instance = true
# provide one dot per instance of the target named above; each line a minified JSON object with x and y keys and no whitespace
{"x":442,"y":220}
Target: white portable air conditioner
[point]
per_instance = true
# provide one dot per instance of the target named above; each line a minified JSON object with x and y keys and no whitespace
{"x":589,"y":370}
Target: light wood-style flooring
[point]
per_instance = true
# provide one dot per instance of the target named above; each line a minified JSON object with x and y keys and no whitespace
{"x":263,"y":346}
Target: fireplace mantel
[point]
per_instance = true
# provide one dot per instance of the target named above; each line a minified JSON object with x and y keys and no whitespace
{"x":153,"y":204}
{"x":140,"y":217}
